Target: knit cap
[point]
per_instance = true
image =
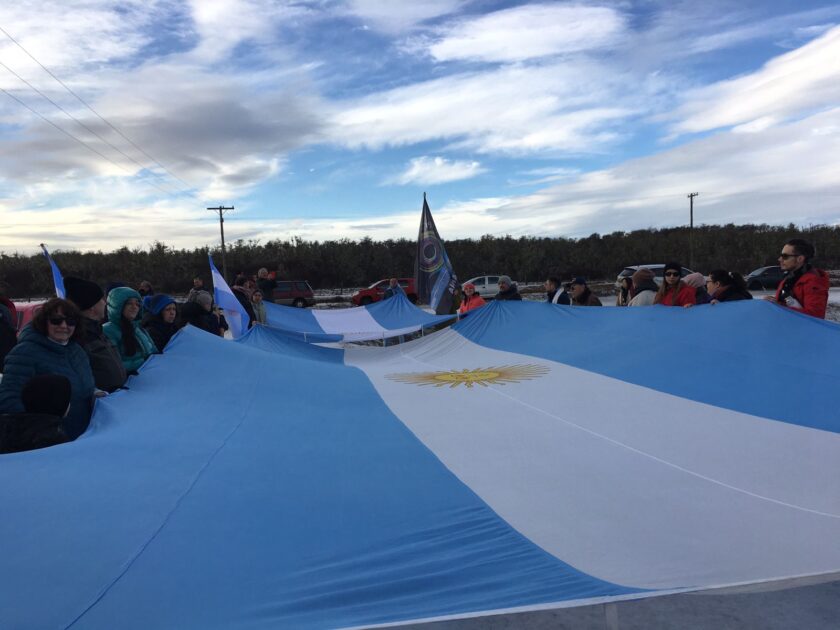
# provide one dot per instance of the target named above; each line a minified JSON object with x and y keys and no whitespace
{"x":154,"y":304}
{"x":695,"y":280}
{"x":83,"y":293}
{"x":505,"y":280}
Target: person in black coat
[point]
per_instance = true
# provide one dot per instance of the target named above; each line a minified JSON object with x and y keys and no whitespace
{"x":46,"y":401}
{"x":507,"y":290}
{"x":240,"y":290}
{"x":199,"y":313}
{"x":727,"y":286}
{"x":160,"y":319}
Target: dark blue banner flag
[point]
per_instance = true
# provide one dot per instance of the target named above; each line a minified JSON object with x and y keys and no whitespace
{"x":436,"y":282}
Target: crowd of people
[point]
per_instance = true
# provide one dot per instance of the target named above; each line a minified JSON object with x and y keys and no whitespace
{"x":86,"y":345}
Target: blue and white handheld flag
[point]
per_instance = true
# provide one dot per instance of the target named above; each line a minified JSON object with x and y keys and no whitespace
{"x":236,"y":316}
{"x":58,"y":280}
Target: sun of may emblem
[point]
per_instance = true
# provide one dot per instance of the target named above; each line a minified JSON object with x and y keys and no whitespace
{"x":478,"y":376}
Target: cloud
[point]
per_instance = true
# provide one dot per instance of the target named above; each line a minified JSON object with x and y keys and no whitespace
{"x":528,"y":32}
{"x":395,"y":17}
{"x":514,"y":110}
{"x":436,"y":170}
{"x":797,"y":82}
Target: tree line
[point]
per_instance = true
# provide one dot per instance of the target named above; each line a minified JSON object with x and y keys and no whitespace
{"x":345,"y":263}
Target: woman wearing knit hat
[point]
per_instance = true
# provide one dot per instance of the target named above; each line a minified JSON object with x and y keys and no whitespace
{"x":675,"y":292}
{"x":124,"y":331}
{"x":697,"y":281}
{"x":159,"y":319}
{"x":471,"y":299}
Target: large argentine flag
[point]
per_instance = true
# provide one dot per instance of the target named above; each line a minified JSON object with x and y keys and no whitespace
{"x":529,"y":456}
{"x":380,"y":320}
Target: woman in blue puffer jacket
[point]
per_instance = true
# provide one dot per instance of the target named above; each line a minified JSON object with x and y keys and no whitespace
{"x":124,"y":330}
{"x":48,"y":346}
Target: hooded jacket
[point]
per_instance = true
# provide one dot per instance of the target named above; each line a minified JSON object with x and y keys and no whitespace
{"x":809,"y":288}
{"x":145,"y":346}
{"x":36,"y":354}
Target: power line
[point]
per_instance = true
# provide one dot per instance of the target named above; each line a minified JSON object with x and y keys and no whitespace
{"x":97,"y":114}
{"x":79,"y":122}
{"x":82,"y":142}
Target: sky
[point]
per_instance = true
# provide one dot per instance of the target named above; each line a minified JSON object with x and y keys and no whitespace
{"x":121,"y":122}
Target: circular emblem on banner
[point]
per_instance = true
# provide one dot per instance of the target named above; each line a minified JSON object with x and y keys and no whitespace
{"x":477,"y":376}
{"x":431,"y":252}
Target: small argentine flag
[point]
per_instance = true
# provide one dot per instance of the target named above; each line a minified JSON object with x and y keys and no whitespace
{"x":236,"y":316}
{"x":58,"y":280}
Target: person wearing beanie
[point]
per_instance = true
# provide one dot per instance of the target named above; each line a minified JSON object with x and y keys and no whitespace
{"x":471,"y":299}
{"x":198,"y":312}
{"x":105,"y":361}
{"x":46,"y":400}
{"x":675,"y":292}
{"x":697,"y":281}
{"x":124,"y":330}
{"x":582,"y":295}
{"x":159,"y":319}
{"x":644,"y":288}
{"x":507,"y":289}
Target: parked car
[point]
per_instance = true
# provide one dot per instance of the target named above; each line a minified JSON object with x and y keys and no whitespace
{"x":764,"y":278}
{"x":657,"y":269}
{"x":293,"y":293}
{"x":485,"y":286}
{"x":374,"y":292}
{"x":25,"y":312}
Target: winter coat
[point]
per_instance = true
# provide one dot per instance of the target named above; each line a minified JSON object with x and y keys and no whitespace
{"x":244,"y":297}
{"x":260,"y":312}
{"x":8,"y":328}
{"x":266,"y":287}
{"x":470,"y":303}
{"x":587,"y":299}
{"x":731,"y":294}
{"x":193,"y":313}
{"x":644,"y":293}
{"x":512,"y":293}
{"x":701,"y":296}
{"x":145,"y":346}
{"x":105,"y":360}
{"x":684,"y":295}
{"x":36,"y":354}
{"x":392,"y":291}
{"x":158,"y":330}
{"x":809,"y":287}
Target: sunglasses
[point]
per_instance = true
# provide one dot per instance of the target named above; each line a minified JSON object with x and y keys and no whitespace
{"x":669,"y":274}
{"x":58,"y":321}
{"x":786,"y":256}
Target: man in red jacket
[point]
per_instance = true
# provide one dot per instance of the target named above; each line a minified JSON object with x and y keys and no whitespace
{"x":804,"y":288}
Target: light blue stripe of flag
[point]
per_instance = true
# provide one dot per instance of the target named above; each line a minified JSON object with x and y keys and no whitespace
{"x":58,"y":280}
{"x":235,"y":314}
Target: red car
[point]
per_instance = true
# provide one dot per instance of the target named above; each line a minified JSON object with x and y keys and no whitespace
{"x":25,"y":312}
{"x":375,"y":291}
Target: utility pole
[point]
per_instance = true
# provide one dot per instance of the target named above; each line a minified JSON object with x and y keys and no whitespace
{"x":691,"y":197}
{"x":221,"y":210}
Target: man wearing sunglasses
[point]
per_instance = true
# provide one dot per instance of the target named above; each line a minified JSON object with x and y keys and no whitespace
{"x":804,"y":287}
